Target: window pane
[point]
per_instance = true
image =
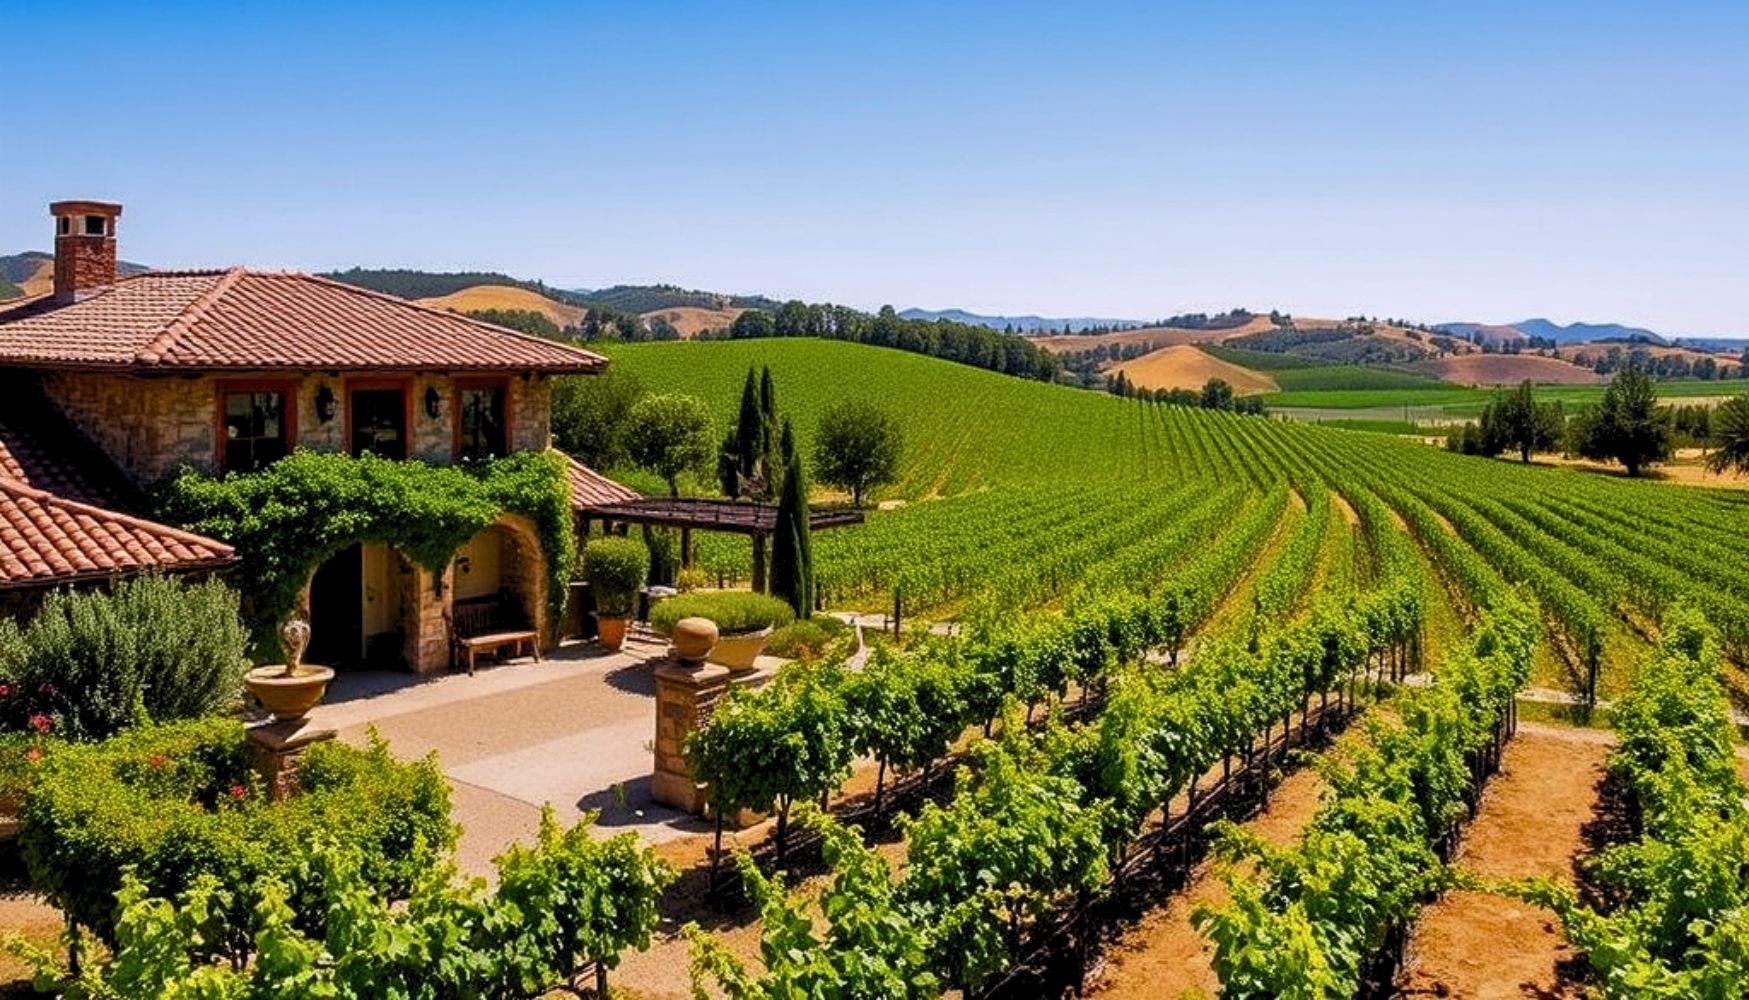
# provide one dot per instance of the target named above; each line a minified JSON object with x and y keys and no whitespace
{"x":482,"y":423}
{"x":379,"y":422}
{"x":254,"y":430}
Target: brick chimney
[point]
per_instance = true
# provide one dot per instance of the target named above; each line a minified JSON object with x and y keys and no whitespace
{"x":84,"y":247}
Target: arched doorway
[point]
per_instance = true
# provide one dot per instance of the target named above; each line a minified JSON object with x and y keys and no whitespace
{"x":499,"y":576}
{"x":359,"y":604}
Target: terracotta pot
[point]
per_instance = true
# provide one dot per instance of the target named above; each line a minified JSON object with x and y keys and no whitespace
{"x":288,"y":697}
{"x":737,"y":652}
{"x":693,"y":638}
{"x":610,"y":630}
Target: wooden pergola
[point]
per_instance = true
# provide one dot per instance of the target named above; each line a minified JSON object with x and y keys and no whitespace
{"x":756,"y":520}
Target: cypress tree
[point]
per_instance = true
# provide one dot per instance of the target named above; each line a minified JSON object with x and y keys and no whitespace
{"x":746,"y":438}
{"x":792,"y":550}
{"x":768,"y":423}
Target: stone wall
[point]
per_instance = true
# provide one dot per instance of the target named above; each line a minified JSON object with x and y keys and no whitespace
{"x":530,"y":413}
{"x":152,"y":426}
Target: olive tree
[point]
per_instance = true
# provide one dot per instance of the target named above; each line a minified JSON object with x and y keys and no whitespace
{"x":857,"y":448}
{"x":671,"y":435}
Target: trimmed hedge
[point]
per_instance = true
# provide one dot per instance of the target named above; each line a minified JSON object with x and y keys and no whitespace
{"x":616,"y":568}
{"x":733,"y":611}
{"x":297,"y":513}
{"x":176,"y":802}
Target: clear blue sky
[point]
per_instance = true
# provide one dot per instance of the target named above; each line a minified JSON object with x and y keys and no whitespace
{"x":1580,"y":160}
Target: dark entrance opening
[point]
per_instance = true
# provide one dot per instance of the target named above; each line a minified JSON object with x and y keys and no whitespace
{"x":336,"y":595}
{"x":379,"y":422}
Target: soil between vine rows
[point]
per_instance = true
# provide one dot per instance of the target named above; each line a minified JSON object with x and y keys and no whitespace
{"x":1163,"y":955}
{"x":1481,"y":946}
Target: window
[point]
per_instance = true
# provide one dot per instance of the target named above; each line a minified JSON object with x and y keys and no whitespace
{"x":480,"y":422}
{"x":377,"y":416}
{"x":96,"y":225}
{"x":256,"y":430}
{"x":64,"y":226}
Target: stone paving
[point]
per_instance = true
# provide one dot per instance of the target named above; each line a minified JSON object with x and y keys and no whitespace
{"x":573,"y":730}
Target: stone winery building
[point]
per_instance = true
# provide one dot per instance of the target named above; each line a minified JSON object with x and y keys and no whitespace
{"x":109,"y":384}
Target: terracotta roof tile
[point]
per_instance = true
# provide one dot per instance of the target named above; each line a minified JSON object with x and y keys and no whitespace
{"x":246,"y":319}
{"x":46,"y":540}
{"x":592,"y":489}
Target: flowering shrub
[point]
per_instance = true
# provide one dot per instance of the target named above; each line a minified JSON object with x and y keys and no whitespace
{"x":177,"y":802}
{"x":92,"y":662}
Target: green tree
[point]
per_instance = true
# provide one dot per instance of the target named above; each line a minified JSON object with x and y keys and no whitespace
{"x":1627,"y":427}
{"x":670,"y":435}
{"x":857,"y":447}
{"x":1524,"y":425}
{"x":792,"y":550}
{"x":738,"y":465}
{"x":768,"y":416}
{"x":1729,"y":432}
{"x":590,"y":415}
{"x":1217,"y":394}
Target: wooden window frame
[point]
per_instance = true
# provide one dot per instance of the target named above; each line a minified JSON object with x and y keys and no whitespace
{"x":231,"y":386}
{"x":402,"y":382}
{"x":465,"y":383}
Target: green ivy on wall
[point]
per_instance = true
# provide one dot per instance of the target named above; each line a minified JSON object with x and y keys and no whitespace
{"x":296,"y":514}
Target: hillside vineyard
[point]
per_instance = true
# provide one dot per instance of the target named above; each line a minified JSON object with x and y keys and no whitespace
{"x":1027,"y":495}
{"x":1189,"y":589}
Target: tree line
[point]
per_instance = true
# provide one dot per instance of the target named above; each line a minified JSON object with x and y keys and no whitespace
{"x":965,"y":343}
{"x":1628,"y":427}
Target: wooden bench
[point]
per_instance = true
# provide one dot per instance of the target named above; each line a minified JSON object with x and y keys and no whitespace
{"x":490,"y":624}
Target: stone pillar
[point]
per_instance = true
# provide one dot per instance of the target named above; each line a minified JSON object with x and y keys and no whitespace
{"x":685,"y":698}
{"x":425,"y":613}
{"x":275,"y":748}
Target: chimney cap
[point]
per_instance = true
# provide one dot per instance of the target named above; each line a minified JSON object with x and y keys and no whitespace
{"x":82,"y":206}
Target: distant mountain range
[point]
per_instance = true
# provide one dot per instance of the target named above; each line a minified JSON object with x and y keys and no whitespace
{"x":1550,"y":330}
{"x":1020,"y":324}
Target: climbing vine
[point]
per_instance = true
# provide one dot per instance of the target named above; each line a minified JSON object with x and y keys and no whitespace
{"x":296,"y":514}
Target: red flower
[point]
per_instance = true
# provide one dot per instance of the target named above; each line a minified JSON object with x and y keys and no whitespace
{"x":238,"y":791}
{"x":34,"y":754}
{"x":41,"y":723}
{"x":157,"y":760}
{"x":5,"y":689}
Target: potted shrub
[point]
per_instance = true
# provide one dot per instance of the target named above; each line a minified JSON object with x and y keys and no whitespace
{"x":616,"y":568}
{"x":744,"y":622}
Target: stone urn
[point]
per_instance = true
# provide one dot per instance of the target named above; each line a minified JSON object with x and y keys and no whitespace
{"x":693,"y":639}
{"x":739,"y":651}
{"x":288,"y":690}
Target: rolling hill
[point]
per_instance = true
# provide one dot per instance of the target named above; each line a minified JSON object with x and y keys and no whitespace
{"x":1507,"y":369}
{"x":965,"y":428}
{"x":690,"y":321}
{"x":1157,"y":336}
{"x":33,"y":273}
{"x":476,"y":298}
{"x":1186,"y":366}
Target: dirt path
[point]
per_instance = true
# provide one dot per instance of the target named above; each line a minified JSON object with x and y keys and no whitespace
{"x":1163,"y":955}
{"x":1478,"y":946}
